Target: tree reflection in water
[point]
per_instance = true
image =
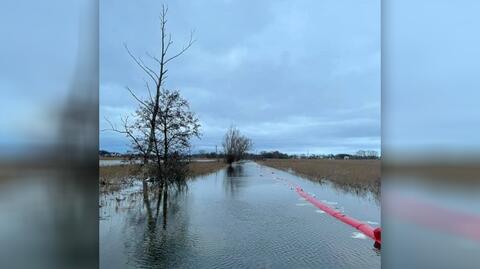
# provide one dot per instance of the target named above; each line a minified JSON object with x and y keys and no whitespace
{"x":233,"y":179}
{"x":156,"y":241}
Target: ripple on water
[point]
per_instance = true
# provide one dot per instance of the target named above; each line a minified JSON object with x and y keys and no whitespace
{"x":302,"y":204}
{"x":225,"y":223}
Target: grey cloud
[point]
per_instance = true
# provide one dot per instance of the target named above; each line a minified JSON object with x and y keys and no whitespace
{"x":259,"y":65}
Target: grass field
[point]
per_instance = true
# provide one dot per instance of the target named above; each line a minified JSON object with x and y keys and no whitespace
{"x":351,"y":175}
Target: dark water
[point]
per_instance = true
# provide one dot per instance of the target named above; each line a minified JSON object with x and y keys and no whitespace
{"x":236,"y":218}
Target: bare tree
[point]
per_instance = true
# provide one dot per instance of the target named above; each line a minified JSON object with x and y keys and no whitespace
{"x":371,"y":154}
{"x":157,"y":77}
{"x":162,"y":124}
{"x":235,"y":145}
{"x":361,"y":154}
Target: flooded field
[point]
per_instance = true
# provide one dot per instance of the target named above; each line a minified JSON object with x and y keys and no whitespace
{"x":114,"y":162}
{"x":117,"y":162}
{"x":240,"y":217}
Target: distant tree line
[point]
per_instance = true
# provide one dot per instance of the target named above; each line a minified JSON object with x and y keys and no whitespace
{"x":274,"y":155}
{"x":105,"y":153}
{"x":202,"y":154}
{"x":127,"y":155}
{"x":360,"y":155}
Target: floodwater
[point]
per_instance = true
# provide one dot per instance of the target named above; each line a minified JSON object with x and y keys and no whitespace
{"x":241,"y":217}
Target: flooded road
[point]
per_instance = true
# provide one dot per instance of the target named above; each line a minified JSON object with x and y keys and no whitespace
{"x":241,"y":217}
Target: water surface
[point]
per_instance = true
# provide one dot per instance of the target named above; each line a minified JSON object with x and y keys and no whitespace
{"x":241,"y":217}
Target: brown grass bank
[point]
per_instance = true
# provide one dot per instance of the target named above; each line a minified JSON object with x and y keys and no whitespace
{"x":125,"y":173}
{"x":204,"y":168}
{"x":359,"y":176}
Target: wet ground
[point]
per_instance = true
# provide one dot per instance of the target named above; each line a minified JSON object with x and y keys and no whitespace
{"x":242,"y":217}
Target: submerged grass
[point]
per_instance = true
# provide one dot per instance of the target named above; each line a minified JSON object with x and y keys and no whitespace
{"x":359,"y":176}
{"x":116,"y":175}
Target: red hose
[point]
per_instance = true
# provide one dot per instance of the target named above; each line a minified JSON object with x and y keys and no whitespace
{"x":373,"y":233}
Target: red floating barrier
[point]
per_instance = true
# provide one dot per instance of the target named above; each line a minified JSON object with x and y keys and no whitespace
{"x":373,"y":233}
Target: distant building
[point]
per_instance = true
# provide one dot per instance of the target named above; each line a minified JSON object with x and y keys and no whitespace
{"x":342,"y":156}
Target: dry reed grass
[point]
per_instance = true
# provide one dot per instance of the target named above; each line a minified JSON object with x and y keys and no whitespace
{"x":360,"y":176}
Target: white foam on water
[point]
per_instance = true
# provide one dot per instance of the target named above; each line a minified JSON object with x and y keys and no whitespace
{"x":320,"y":211}
{"x":302,"y":204}
{"x":372,"y":222}
{"x":358,"y":235}
{"x":331,"y":203}
{"x":301,"y":199}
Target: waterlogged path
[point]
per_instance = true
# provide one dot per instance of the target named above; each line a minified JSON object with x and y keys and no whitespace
{"x":245,"y":217}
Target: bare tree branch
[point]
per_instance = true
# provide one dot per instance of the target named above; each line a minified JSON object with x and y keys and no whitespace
{"x":149,"y":91}
{"x":140,"y":63}
{"x":138,"y":99}
{"x":153,"y":57}
{"x":170,"y":42}
{"x":185,"y":48}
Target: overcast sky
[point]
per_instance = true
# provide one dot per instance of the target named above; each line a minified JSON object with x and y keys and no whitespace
{"x":294,"y":76}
